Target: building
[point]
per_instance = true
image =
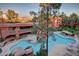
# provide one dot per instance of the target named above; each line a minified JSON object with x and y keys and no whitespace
{"x":8,"y":30}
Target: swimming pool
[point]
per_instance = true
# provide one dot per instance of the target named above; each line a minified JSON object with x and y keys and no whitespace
{"x":53,"y":39}
{"x":58,"y":38}
{"x":24,"y":44}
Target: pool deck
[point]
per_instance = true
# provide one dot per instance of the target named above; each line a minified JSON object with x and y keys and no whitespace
{"x":57,"y":50}
{"x":30,"y":37}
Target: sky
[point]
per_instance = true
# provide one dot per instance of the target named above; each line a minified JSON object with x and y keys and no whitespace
{"x":24,"y":8}
{"x":70,"y":8}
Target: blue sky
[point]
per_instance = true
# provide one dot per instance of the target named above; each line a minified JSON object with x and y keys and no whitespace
{"x":24,"y":8}
{"x":69,"y":8}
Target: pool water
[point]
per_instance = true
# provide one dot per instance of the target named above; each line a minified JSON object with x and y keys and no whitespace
{"x":58,"y":38}
{"x":24,"y":44}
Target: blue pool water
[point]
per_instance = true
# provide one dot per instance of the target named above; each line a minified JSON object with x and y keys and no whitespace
{"x":58,"y":38}
{"x":24,"y":43}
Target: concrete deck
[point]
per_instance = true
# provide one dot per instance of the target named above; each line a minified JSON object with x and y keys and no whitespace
{"x":57,"y":50}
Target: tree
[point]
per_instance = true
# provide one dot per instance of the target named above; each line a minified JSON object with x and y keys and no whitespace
{"x":1,"y":18}
{"x":63,"y":15}
{"x":44,"y":17}
{"x":55,"y":7}
{"x":45,"y":12}
{"x":74,"y":18}
{"x":70,"y":22}
{"x":65,"y":18}
{"x":32,"y":13}
{"x":47,"y":8}
{"x":73,"y":15}
{"x":12,"y":15}
{"x":34,"y":20}
{"x":1,"y":12}
{"x":40,"y":18}
{"x":75,"y":21}
{"x":1,"y":15}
